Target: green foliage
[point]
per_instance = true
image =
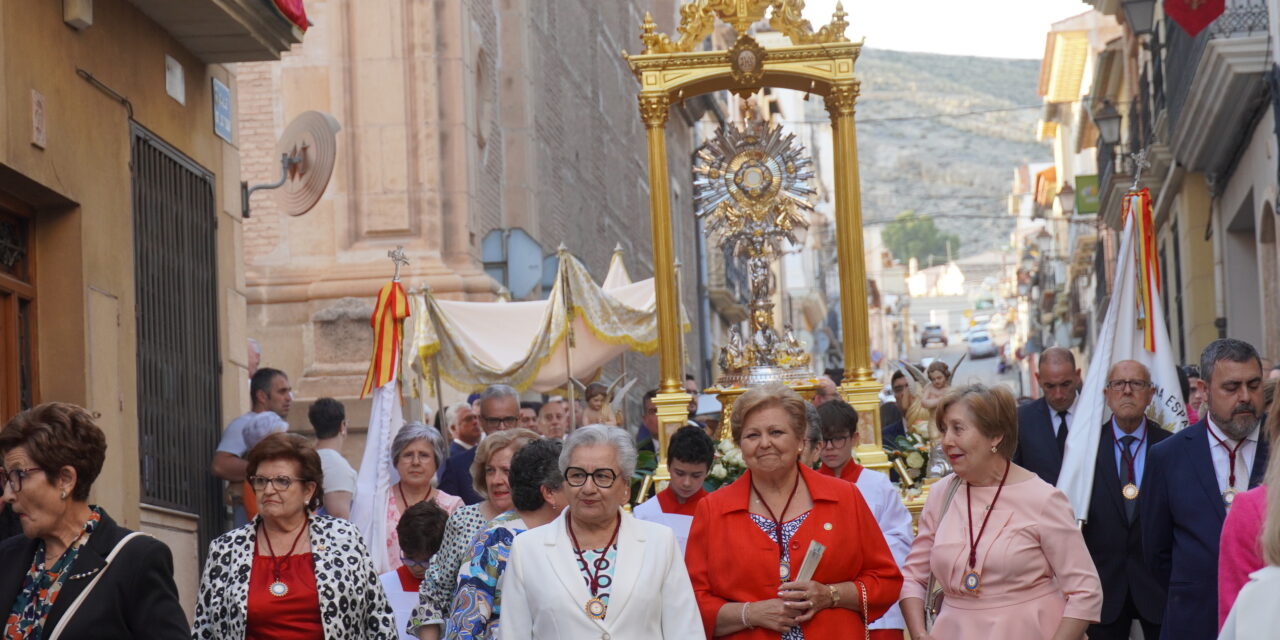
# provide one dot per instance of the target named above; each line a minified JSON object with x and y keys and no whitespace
{"x":910,"y":235}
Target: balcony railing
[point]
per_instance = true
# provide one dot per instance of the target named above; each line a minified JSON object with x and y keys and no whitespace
{"x":1241,"y":17}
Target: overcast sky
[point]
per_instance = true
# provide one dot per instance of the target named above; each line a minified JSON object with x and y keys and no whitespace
{"x":990,"y":28}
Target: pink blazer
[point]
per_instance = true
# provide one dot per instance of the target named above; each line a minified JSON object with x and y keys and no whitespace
{"x":1240,"y":552}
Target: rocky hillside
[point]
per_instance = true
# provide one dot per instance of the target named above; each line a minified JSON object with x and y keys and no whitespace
{"x":947,"y":165}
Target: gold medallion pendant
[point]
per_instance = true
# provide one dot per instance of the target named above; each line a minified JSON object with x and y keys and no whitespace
{"x":784,"y":570}
{"x":595,"y":608}
{"x":278,"y":589}
{"x":972,"y":581}
{"x":1130,"y":491}
{"x":1229,"y":496}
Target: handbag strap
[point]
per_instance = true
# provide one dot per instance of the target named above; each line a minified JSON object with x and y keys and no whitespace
{"x":946,"y":505}
{"x":71,"y":610}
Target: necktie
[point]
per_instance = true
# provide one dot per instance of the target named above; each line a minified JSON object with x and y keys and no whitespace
{"x":1062,"y":433}
{"x":1130,"y":506}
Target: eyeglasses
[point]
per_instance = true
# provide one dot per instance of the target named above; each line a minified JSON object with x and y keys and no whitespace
{"x":577,"y":476}
{"x":414,"y":564}
{"x":834,"y":443}
{"x":281,"y":483}
{"x":505,"y":423}
{"x":15,"y":477}
{"x":1136,"y":385}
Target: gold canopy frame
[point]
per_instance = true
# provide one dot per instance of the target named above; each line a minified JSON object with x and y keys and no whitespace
{"x":820,"y":63}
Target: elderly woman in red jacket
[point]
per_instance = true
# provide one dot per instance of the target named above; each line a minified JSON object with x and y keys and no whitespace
{"x":749,"y":539}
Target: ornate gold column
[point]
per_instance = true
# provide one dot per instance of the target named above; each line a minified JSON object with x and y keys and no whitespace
{"x":858,"y":387}
{"x":672,"y":402}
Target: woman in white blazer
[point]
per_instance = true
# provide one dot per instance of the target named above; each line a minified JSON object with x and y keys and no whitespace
{"x":595,"y":571}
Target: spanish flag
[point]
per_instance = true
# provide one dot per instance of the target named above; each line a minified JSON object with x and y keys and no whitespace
{"x":388,"y":334}
{"x":1138,"y":204}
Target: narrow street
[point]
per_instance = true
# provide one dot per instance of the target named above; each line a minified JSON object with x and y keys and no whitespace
{"x":949,"y":311}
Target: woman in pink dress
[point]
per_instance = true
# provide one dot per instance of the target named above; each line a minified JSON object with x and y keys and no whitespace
{"x":1006,"y":552}
{"x":417,"y":452}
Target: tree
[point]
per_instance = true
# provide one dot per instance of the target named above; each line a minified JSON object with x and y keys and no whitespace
{"x":911,"y":235}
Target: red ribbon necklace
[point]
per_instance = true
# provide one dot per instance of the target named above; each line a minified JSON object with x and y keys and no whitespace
{"x":1229,"y":495}
{"x":595,"y":607}
{"x":278,"y":588}
{"x":784,"y":568}
{"x":973,"y":579}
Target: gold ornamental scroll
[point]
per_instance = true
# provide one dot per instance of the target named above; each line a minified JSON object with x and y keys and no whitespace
{"x":820,"y":63}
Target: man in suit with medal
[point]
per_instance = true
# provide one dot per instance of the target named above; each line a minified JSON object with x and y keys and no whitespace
{"x":1043,"y":425}
{"x":1192,"y":478}
{"x":1113,"y":531}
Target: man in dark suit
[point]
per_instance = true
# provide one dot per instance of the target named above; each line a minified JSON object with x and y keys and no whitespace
{"x":1192,"y":477}
{"x":1113,"y":531}
{"x":499,"y":411}
{"x":1043,"y":424}
{"x":463,"y":426}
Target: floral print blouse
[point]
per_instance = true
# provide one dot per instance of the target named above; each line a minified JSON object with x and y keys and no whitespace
{"x":477,"y":605}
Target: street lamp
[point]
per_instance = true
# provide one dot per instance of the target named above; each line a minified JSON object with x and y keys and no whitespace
{"x":1141,"y":15}
{"x":1108,"y":120}
{"x":1067,"y":199}
{"x":1044,"y":242}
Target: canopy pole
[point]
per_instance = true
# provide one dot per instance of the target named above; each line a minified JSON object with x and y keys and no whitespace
{"x":568,"y":339}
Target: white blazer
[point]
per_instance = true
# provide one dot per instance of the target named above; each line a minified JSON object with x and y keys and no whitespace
{"x":1255,"y":615}
{"x":543,"y":592}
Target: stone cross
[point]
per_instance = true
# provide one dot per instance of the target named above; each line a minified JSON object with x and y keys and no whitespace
{"x":1140,"y":162}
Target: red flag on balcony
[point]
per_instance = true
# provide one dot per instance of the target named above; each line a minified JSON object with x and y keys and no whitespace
{"x":294,"y":12}
{"x":1194,"y":15}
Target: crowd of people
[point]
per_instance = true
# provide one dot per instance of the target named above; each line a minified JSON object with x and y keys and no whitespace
{"x":519,"y":524}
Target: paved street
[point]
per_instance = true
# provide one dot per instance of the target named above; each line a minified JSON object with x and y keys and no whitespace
{"x":949,"y":312}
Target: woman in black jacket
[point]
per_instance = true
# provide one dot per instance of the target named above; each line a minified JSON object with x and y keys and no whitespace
{"x":75,"y":573}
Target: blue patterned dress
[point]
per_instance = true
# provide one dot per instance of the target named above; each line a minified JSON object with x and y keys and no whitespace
{"x":788,"y":530}
{"x":477,"y":604}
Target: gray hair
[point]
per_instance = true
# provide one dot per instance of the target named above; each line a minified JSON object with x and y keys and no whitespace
{"x":451,"y":413}
{"x":601,"y":434}
{"x":494,"y":391}
{"x":1228,"y":349}
{"x":412,"y":432}
{"x":813,"y":426}
{"x":260,"y":426}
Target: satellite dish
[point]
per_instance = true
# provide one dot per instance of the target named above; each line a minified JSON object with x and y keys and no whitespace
{"x":307,"y":150}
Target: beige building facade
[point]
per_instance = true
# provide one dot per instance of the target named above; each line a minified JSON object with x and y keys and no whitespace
{"x":460,"y":119}
{"x":121,"y":278}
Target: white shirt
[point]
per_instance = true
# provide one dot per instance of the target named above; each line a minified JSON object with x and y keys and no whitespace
{"x":402,"y":602}
{"x":1222,"y":459}
{"x":233,"y":438}
{"x":338,"y":473}
{"x":462,"y":444}
{"x":651,"y":511}
{"x":1255,"y":614}
{"x":895,"y":523}
{"x":1055,"y":421}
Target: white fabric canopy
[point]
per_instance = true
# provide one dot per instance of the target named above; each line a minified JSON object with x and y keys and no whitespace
{"x":522,"y":344}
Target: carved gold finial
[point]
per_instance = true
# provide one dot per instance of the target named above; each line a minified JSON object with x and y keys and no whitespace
{"x":650,"y":39}
{"x":838,"y":18}
{"x":653,"y":110}
{"x":841,"y":100}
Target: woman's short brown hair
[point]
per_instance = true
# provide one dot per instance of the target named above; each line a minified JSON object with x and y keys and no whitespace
{"x":994,"y":411}
{"x":492,"y":444}
{"x":769,"y":395}
{"x":295,"y":448}
{"x":57,"y":435}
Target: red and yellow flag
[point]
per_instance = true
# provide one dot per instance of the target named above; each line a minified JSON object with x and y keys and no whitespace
{"x":1138,"y":203}
{"x":388,"y":334}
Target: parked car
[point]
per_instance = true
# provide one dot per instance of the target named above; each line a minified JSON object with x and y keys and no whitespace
{"x":981,"y":345}
{"x":933,"y":333}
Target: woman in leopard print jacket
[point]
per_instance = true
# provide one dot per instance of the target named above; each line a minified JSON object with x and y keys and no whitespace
{"x":290,"y":573}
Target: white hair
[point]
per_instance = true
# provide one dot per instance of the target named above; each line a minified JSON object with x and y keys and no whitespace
{"x":262,"y":425}
{"x":451,"y":413}
{"x":602,"y":434}
{"x":412,"y":432}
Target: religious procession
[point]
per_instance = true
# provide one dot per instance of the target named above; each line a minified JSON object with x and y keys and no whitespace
{"x":944,"y":324}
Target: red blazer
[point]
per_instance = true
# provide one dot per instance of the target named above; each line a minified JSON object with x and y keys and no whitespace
{"x":731,"y":560}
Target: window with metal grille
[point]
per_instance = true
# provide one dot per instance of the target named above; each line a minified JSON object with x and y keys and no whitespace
{"x":179,"y":398}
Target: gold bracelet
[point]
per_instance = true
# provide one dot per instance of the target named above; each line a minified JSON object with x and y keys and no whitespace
{"x":835,"y":595}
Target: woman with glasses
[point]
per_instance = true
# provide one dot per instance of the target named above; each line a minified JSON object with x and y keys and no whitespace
{"x":74,"y":571}
{"x":489,"y":478}
{"x":839,"y":436}
{"x":595,"y":571}
{"x":290,"y":573}
{"x":750,"y":539}
{"x":417,"y":452}
{"x":537,"y":493}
